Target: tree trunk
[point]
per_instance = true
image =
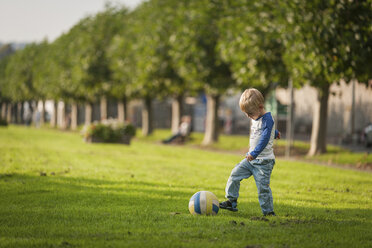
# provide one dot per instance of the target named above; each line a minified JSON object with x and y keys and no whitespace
{"x":23,"y":113}
{"x":211,"y":122}
{"x":15,"y":113}
{"x":123,"y":110}
{"x":147,"y":126}
{"x":352,"y":113}
{"x":16,"y":119}
{"x":318,"y":143}
{"x":19,"y":113}
{"x":176,"y":113}
{"x":62,"y":117}
{"x":30,"y":115}
{"x":290,"y":120}
{"x":74,"y":115}
{"x":42,"y":114}
{"x":88,"y":113}
{"x":53,"y":120}
{"x":67,"y":117}
{"x":35,"y":113}
{"x":3,"y":110}
{"x":9,"y":113}
{"x":103,"y":108}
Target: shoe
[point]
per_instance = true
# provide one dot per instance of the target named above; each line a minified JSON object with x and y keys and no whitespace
{"x":228,"y":205}
{"x":270,"y":214}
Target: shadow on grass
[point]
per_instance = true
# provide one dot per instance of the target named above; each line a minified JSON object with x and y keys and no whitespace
{"x":57,"y":208}
{"x":129,"y":192}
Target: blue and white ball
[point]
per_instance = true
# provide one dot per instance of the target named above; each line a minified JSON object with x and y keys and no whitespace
{"x":204,"y":203}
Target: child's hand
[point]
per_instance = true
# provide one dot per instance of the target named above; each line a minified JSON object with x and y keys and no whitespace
{"x":249,"y":157}
{"x":278,"y":137}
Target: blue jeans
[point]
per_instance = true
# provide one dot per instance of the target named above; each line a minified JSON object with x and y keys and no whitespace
{"x":261,"y":170}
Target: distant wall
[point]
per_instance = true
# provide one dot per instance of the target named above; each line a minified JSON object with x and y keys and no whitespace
{"x":339,"y":108}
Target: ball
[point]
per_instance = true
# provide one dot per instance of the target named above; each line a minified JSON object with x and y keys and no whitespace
{"x":204,"y":203}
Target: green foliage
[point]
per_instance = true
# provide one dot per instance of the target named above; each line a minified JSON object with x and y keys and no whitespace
{"x":327,"y":40}
{"x":166,"y":48}
{"x":252,"y":44}
{"x":5,"y":52}
{"x":19,"y":83}
{"x":56,"y":192}
{"x":108,"y":132}
{"x":141,"y":53}
{"x":169,"y":47}
{"x":27,"y":74}
{"x":3,"y":64}
{"x":83,"y":70}
{"x":123,"y":60}
{"x":66,"y":56}
{"x":194,"y":46}
{"x":3,"y":122}
{"x":42,"y":71}
{"x":96,"y":41}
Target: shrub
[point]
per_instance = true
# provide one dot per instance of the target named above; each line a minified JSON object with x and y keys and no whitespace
{"x":3,"y":122}
{"x":110,"y":131}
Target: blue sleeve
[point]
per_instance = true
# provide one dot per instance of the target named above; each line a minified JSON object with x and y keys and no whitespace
{"x":267,"y":126}
{"x":276,"y":134}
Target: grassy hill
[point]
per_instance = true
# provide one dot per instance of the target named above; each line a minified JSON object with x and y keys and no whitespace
{"x":57,"y":191}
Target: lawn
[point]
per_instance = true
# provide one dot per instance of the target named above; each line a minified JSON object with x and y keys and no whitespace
{"x":57,"y":191}
{"x":239,"y":144}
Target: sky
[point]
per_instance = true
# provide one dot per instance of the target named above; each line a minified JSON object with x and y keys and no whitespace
{"x":34,"y":20}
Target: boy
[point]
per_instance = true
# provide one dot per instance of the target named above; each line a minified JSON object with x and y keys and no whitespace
{"x":260,"y":159}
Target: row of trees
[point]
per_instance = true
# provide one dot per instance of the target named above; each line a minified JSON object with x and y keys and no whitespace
{"x":167,"y":48}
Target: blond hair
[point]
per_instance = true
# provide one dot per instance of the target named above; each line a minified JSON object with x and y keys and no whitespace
{"x":250,"y":101}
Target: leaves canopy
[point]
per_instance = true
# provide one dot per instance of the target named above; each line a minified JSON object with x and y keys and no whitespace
{"x":194,"y":46}
{"x":252,"y":44}
{"x":328,"y":40}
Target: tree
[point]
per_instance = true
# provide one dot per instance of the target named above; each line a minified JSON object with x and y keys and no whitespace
{"x":5,"y":52}
{"x":253,"y":46}
{"x":19,"y":84}
{"x":42,"y":71}
{"x":122,"y":64}
{"x":84,"y":73}
{"x":195,"y":53}
{"x":69,"y":67}
{"x":251,"y":43}
{"x":327,"y":41}
{"x":169,"y":21}
{"x":154,"y":75}
{"x":103,"y":28}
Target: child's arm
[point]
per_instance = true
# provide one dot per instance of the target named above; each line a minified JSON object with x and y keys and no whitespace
{"x":277,"y":134}
{"x":264,"y":139}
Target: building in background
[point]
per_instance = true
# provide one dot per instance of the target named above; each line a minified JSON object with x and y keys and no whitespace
{"x":340,"y":106}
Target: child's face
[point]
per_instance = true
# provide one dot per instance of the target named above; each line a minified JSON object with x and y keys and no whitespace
{"x":253,"y":115}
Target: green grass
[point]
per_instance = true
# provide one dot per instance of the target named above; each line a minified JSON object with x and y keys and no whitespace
{"x":57,"y":191}
{"x":240,"y":143}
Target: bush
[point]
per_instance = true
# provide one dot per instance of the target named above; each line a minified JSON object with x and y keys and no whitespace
{"x":3,"y":122}
{"x":109,"y":132}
